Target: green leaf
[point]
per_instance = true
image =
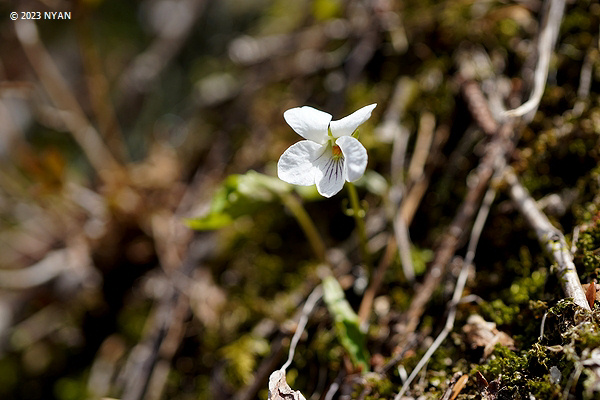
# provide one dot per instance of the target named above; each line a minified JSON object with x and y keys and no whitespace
{"x":347,"y":323}
{"x":239,"y":195}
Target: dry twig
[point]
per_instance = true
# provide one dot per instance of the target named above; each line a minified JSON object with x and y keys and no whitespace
{"x":550,"y":238}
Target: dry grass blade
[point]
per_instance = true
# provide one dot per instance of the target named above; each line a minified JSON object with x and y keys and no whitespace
{"x":546,"y":42}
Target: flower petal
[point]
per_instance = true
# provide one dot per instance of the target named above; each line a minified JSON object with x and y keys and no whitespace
{"x":356,"y":157}
{"x":308,"y":122}
{"x":330,"y":175}
{"x":347,"y":125}
{"x":296,"y":164}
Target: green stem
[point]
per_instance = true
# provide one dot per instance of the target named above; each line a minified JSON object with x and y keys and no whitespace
{"x":306,"y":224}
{"x":360,"y":222}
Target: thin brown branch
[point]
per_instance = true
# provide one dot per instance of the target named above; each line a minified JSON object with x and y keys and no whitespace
{"x":422,"y":146}
{"x":403,"y":242}
{"x":499,"y":147}
{"x":458,"y":288}
{"x":63,"y":98}
{"x":478,"y":106}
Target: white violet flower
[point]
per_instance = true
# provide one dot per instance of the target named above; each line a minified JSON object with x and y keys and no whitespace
{"x":330,"y":155}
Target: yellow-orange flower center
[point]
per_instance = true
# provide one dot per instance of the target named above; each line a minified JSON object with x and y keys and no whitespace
{"x":337,"y":152}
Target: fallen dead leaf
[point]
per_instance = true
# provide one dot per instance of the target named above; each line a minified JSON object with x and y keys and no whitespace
{"x":280,"y":390}
{"x":481,"y":333}
{"x":590,"y":293}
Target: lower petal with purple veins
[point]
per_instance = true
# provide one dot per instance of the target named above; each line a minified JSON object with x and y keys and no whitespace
{"x":331,"y":174}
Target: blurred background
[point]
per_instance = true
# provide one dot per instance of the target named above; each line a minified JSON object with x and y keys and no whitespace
{"x":127,"y":117}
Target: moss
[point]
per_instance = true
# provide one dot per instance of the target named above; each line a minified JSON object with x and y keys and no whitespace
{"x":381,"y":388}
{"x":241,"y":357}
{"x":589,"y":240}
{"x":505,"y":362}
{"x":587,"y":257}
{"x":538,"y":307}
{"x":569,"y":335}
{"x":499,"y":312}
{"x":544,"y":389}
{"x":523,"y":289}
{"x":521,"y":374}
{"x":508,"y":310}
